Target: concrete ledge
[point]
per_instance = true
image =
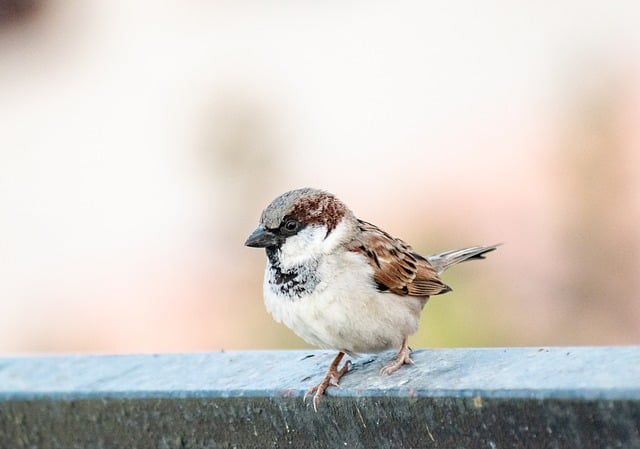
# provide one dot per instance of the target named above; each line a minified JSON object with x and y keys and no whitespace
{"x":489,"y":398}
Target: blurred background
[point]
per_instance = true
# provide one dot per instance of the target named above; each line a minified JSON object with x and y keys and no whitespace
{"x":139,"y":142}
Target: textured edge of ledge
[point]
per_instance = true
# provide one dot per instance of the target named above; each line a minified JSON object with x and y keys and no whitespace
{"x":548,"y":397}
{"x":607,"y":372}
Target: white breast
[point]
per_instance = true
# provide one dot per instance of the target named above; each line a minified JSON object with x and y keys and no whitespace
{"x":345,"y":311}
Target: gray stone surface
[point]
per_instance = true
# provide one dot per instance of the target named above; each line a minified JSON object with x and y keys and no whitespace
{"x":516,"y":397}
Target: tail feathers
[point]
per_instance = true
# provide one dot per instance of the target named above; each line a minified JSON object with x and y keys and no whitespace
{"x":442,"y":261}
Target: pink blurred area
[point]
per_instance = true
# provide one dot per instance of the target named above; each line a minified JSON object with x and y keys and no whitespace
{"x":139,"y":142}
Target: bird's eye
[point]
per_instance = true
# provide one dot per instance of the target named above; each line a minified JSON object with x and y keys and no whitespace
{"x":291,"y":226}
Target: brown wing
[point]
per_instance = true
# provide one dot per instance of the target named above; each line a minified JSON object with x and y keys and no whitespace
{"x":396,"y":267}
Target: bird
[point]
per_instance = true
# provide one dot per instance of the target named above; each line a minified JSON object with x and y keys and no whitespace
{"x":342,"y":283}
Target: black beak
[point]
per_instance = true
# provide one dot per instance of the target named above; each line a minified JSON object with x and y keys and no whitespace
{"x":262,"y":238}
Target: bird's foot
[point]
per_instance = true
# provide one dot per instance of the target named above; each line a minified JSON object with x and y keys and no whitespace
{"x":401,"y":359}
{"x":332,"y":378}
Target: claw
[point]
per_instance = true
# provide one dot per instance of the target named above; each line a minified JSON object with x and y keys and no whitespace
{"x":401,"y":359}
{"x":332,"y":378}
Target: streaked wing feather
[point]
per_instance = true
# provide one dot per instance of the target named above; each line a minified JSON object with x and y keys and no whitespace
{"x":396,"y":267}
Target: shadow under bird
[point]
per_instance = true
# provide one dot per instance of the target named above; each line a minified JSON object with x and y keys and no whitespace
{"x":341,"y":283}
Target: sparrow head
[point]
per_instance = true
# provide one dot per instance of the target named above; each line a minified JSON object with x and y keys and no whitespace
{"x":302,"y":224}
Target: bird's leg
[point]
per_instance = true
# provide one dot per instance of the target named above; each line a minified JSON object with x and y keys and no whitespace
{"x":331,"y":378}
{"x":401,"y":359}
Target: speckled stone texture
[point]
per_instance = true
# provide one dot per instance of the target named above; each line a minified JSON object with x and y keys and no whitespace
{"x":450,"y":398}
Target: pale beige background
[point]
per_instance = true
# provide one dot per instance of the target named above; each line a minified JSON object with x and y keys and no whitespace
{"x":139,"y":142}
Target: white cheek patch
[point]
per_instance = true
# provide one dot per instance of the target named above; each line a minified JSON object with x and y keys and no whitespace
{"x":312,"y":243}
{"x":302,"y":247}
{"x":336,"y":237}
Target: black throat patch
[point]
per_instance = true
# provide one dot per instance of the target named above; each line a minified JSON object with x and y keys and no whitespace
{"x":293,"y":283}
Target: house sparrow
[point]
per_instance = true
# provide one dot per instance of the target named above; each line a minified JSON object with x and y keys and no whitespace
{"x":341,"y":283}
